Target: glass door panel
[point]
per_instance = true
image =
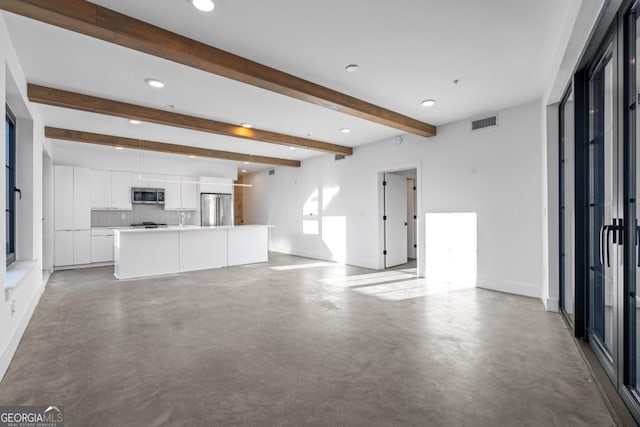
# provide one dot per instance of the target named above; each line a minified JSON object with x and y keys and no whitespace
{"x":631,"y":300}
{"x":603,"y":192}
{"x":567,"y":203}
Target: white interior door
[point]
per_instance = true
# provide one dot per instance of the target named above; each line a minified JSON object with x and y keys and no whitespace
{"x":395,"y":224}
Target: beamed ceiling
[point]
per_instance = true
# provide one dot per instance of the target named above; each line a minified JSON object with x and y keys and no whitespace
{"x":278,"y":65}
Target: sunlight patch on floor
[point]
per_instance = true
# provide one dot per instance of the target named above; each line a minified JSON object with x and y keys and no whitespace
{"x":302,"y":266}
{"x":393,"y":285}
{"x":367,"y":279}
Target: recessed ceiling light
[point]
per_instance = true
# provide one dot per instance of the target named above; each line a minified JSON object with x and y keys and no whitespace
{"x":246,"y":163}
{"x":203,"y":5}
{"x":191,"y":156}
{"x":428,"y":103}
{"x":292,"y":148}
{"x":243,"y":171}
{"x":352,"y":68}
{"x":155,"y":83}
{"x":345,"y":130}
{"x":247,"y":125}
{"x":119,"y":148}
{"x":135,"y":122}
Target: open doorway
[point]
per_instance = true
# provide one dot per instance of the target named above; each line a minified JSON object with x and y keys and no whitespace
{"x":399,"y":215}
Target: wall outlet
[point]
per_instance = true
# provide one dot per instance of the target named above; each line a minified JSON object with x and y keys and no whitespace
{"x":123,"y":216}
{"x":13,"y":307}
{"x":188,"y":216}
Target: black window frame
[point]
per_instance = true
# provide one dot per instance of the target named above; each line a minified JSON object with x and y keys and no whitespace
{"x":10,"y":186}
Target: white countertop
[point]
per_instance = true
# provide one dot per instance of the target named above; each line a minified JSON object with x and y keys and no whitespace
{"x":173,"y":228}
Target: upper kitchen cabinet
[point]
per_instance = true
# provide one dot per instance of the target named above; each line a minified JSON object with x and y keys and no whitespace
{"x":100,"y":189}
{"x":181,"y":193}
{"x":216,"y":185}
{"x":72,"y":209}
{"x":147,"y":180}
{"x":121,"y":190}
{"x":110,"y":190}
{"x":81,"y":198}
{"x":189,"y":193}
{"x":172,"y":193}
{"x":63,"y":200}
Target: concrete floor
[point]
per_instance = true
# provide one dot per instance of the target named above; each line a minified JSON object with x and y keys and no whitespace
{"x":297,"y":342}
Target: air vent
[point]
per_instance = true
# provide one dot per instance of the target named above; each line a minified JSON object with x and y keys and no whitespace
{"x":340,"y":156}
{"x":484,"y":123}
{"x":272,"y":171}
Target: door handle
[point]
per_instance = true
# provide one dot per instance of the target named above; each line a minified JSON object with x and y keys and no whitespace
{"x":620,"y":231}
{"x":602,"y":230}
{"x":606,"y":238}
{"x":637,"y":242}
{"x":614,"y":228}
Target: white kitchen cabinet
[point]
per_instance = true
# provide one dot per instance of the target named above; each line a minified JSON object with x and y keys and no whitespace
{"x":172,"y":193}
{"x":72,"y":215}
{"x":155,"y":181}
{"x":63,"y":248}
{"x":147,"y":180}
{"x":189,"y":193}
{"x":100,"y":189}
{"x":216,"y":185}
{"x":101,"y":245}
{"x":110,"y":190}
{"x":63,"y":197}
{"x":121,"y":190}
{"x":81,"y":247}
{"x":81,"y":198}
{"x":139,"y":180}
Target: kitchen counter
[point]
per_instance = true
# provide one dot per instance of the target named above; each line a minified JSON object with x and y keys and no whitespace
{"x":184,"y":228}
{"x":142,"y":252}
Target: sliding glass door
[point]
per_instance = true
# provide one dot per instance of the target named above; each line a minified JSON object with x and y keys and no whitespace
{"x":567,"y":202}
{"x":604,"y":234}
{"x":632,"y":183}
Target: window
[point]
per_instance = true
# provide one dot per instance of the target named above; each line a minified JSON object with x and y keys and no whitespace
{"x":10,"y":184}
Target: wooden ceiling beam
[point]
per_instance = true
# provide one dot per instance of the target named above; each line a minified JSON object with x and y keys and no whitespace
{"x":162,"y":147}
{"x":96,"y":21}
{"x":77,"y":101}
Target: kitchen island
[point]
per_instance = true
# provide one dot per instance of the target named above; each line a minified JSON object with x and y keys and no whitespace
{"x":177,"y":249}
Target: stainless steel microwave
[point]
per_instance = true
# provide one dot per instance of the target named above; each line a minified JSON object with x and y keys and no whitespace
{"x":147,"y":196}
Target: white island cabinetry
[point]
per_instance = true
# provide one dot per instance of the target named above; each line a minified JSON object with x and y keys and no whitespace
{"x":152,"y":252}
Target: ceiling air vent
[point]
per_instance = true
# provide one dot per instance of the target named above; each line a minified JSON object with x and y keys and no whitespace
{"x":340,"y":157}
{"x":484,"y":123}
{"x":272,"y":171}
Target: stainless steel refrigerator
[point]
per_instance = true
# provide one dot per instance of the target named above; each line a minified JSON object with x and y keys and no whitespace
{"x":216,"y":209}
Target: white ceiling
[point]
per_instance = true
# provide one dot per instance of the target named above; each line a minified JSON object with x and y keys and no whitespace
{"x":408,"y":50}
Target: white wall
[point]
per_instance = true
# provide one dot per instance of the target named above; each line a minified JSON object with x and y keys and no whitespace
{"x":17,"y":305}
{"x":100,"y":157}
{"x":494,"y":172}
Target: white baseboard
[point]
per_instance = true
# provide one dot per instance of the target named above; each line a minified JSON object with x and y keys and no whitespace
{"x":14,"y":341}
{"x":551,"y":304}
{"x":524,"y":289}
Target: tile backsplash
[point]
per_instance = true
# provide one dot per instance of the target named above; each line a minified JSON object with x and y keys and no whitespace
{"x":139,"y":214}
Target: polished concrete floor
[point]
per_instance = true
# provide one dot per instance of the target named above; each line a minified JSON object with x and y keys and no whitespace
{"x":297,"y":342}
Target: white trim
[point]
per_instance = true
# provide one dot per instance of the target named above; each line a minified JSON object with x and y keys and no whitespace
{"x":14,"y":341}
{"x":524,"y":289}
{"x":17,"y":272}
{"x":551,"y":304}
